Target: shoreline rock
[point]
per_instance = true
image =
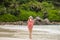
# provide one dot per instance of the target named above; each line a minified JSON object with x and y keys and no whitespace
{"x":25,"y":23}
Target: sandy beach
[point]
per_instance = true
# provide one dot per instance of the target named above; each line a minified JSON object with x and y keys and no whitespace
{"x":21,"y":33}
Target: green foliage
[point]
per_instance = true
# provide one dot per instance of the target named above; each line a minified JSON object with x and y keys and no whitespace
{"x":47,"y":6}
{"x":25,"y":14}
{"x":23,"y":1}
{"x":8,"y":18}
{"x":54,"y":15}
{"x":31,"y":6}
{"x":40,"y":14}
{"x":53,"y":0}
{"x":22,"y":9}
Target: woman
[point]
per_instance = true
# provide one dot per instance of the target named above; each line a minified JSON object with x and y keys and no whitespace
{"x":30,"y":26}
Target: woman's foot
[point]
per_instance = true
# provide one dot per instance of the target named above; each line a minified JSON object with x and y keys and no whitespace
{"x":30,"y":37}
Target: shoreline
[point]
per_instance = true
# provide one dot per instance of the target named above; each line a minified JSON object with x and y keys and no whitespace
{"x":15,"y":32}
{"x":47,"y":28}
{"x":25,"y":23}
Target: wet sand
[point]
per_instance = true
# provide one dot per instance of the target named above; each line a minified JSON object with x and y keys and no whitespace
{"x":7,"y":34}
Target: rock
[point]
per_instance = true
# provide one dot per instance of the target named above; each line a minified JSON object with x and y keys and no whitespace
{"x":38,"y":20}
{"x":46,"y":21}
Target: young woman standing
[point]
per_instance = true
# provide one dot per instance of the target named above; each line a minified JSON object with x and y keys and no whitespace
{"x":30,"y":26}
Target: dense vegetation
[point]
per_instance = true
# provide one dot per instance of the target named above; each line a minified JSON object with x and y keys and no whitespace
{"x":20,"y":10}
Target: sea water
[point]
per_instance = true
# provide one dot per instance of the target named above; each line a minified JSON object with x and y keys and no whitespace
{"x":52,"y":29}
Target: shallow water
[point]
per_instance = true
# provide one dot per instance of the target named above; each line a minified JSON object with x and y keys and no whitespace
{"x":45,"y":32}
{"x":49,"y":28}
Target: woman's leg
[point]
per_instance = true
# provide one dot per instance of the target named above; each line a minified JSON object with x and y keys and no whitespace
{"x":30,"y":33}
